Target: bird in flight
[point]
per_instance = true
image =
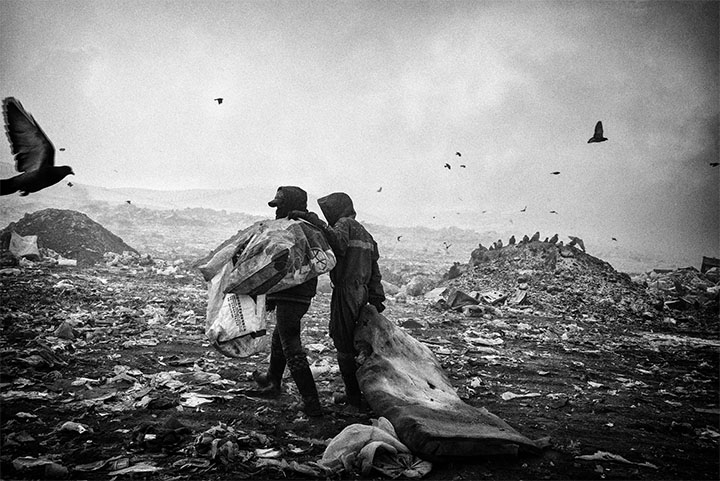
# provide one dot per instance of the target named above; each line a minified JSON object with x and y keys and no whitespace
{"x":70,"y":184}
{"x":127,"y":201}
{"x":62,"y":149}
{"x":458,"y":154}
{"x":33,"y":151}
{"x":555,"y":173}
{"x":553,"y":212}
{"x":219,"y":100}
{"x":614,"y":239}
{"x":380,"y":189}
{"x":714,"y":164}
{"x":523,"y":209}
{"x":598,"y":135}
{"x":447,"y":166}
{"x":398,"y":238}
{"x":462,"y":165}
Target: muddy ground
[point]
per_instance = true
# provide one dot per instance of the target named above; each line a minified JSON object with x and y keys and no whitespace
{"x":138,"y":359}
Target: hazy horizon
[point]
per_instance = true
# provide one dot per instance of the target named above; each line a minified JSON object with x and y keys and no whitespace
{"x":358,"y":95}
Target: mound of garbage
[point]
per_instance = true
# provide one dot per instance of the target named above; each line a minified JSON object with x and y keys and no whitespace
{"x":563,"y":280}
{"x":69,"y":233}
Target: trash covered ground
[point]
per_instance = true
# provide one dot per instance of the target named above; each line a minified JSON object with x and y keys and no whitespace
{"x":106,"y":374}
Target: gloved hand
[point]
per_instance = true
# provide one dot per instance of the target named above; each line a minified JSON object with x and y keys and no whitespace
{"x":307,"y":216}
{"x":379,"y":306}
{"x":297,"y":214}
{"x":269,"y":306}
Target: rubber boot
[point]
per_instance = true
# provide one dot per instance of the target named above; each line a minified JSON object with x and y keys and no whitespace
{"x":269,"y":384}
{"x":348,"y":369}
{"x":302,"y":375}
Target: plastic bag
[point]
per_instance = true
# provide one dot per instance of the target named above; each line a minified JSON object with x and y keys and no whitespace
{"x":279,"y":254}
{"x":270,"y":256}
{"x":24,"y":246}
{"x":235,"y":324}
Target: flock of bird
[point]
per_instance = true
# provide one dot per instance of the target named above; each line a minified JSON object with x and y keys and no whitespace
{"x":35,"y":154}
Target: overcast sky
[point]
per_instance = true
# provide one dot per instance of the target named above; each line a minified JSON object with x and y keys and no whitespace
{"x":355,"y":96}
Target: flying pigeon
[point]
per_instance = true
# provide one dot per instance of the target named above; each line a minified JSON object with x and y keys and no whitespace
{"x":62,"y":149}
{"x":598,"y":136}
{"x":127,"y":201}
{"x":447,"y":166}
{"x":218,"y":100}
{"x":398,"y":238}
{"x":380,"y":189}
{"x":714,"y":164}
{"x":458,"y":154}
{"x":33,"y":151}
{"x":555,"y":173}
{"x":463,"y":166}
{"x":523,"y":209}
{"x":70,"y":184}
{"x":614,"y":239}
{"x":553,"y":212}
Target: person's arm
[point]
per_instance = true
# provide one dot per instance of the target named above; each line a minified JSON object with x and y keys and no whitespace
{"x":338,"y":237}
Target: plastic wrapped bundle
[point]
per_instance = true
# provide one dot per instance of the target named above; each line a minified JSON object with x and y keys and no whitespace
{"x":267,"y":257}
{"x":282,"y":253}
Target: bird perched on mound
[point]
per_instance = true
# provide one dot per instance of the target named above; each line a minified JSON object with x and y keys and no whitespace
{"x":33,"y":151}
{"x":576,"y":241}
{"x":598,"y":135}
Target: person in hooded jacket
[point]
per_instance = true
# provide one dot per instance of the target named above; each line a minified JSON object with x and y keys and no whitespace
{"x":290,"y":306}
{"x":356,"y":281}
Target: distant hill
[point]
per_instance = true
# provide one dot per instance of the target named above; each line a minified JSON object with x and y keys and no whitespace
{"x":212,"y":215}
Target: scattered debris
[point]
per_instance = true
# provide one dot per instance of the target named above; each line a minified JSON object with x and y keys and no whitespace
{"x":606,"y":456}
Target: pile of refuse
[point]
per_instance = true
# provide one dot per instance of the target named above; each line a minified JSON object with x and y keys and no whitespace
{"x":70,"y":234}
{"x":683,"y":289}
{"x":560,"y":280}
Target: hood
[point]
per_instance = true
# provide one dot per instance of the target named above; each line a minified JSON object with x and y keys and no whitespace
{"x":336,"y":206}
{"x":288,"y":198}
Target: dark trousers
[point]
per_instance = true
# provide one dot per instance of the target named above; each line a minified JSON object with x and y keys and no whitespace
{"x":345,"y":308}
{"x":286,"y":349}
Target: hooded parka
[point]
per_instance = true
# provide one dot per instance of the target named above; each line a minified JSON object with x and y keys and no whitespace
{"x":356,"y":281}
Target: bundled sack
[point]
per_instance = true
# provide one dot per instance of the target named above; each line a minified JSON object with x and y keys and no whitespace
{"x":266,"y":257}
{"x":271,"y":256}
{"x":235,"y":324}
{"x":360,"y":449}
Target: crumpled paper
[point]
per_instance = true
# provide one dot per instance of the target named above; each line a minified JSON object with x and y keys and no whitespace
{"x":362,"y":448}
